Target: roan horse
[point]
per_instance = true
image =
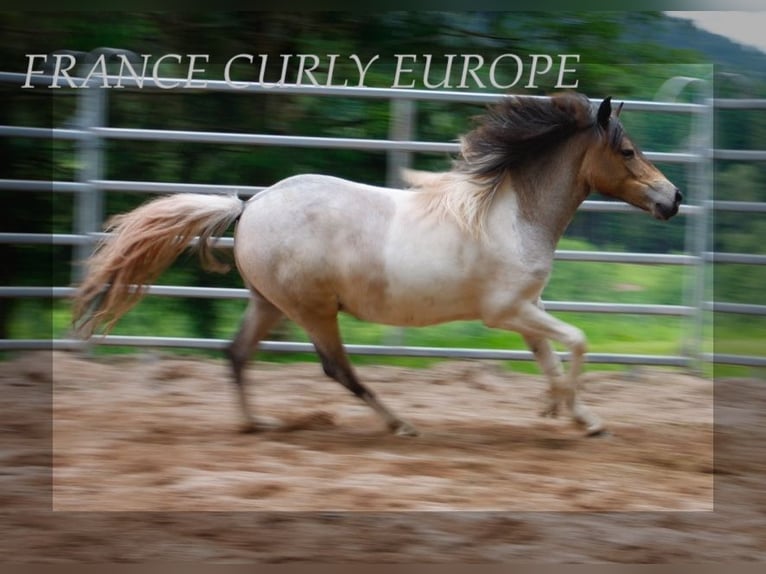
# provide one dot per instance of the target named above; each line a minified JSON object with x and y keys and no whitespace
{"x":475,"y":242}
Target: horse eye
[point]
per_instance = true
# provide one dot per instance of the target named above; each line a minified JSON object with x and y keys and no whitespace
{"x":627,"y":153}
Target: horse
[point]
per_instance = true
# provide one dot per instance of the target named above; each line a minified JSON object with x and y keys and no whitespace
{"x":475,"y":242}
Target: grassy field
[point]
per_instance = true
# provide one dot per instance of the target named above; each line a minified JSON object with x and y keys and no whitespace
{"x":571,"y":281}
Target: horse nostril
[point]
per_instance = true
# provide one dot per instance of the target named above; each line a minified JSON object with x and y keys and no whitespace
{"x":679,"y":196}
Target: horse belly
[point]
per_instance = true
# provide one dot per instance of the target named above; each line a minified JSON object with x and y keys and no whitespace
{"x":404,"y":307}
{"x":412,"y":291}
{"x":424,"y":310}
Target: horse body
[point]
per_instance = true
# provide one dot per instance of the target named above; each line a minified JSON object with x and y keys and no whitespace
{"x":476,"y":242}
{"x":375,"y":253}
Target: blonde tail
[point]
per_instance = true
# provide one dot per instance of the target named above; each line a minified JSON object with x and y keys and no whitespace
{"x":141,"y":245}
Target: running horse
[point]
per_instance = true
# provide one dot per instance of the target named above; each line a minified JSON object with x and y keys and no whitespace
{"x":476,"y":242}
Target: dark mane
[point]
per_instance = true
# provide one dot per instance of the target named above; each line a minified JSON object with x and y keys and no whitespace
{"x":518,"y":139}
{"x":519,"y":129}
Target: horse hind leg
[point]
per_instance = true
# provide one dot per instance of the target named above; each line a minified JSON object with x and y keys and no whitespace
{"x":260,"y":317}
{"x":325,"y":335}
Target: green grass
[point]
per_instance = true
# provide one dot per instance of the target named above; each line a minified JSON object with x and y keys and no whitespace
{"x":570,"y":281}
{"x":607,"y":333}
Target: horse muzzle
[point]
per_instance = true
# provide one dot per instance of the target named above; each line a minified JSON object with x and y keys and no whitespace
{"x":664,"y":208}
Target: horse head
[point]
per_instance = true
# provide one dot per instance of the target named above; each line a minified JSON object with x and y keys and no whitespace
{"x":615,"y":167}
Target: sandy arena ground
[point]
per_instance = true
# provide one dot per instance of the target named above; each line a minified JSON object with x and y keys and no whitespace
{"x":147,"y":464}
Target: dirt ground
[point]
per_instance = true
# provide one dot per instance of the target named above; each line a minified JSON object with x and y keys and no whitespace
{"x":146,"y":463}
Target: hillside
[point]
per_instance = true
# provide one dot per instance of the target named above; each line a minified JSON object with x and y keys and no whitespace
{"x":728,"y":56}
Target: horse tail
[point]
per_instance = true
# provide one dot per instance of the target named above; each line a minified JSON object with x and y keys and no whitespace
{"x":141,"y":245}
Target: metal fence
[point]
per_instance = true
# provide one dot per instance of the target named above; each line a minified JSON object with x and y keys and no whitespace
{"x":90,"y":132}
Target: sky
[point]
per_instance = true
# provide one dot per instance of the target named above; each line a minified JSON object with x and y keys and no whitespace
{"x":747,"y":28}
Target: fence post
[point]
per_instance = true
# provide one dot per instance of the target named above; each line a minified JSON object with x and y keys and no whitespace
{"x":701,"y":178}
{"x":704,"y":126}
{"x":89,"y":203}
{"x":401,"y":127}
{"x":699,"y":195}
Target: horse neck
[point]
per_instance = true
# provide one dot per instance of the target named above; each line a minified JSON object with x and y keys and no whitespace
{"x":544,"y":197}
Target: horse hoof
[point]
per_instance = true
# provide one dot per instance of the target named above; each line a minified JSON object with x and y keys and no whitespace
{"x":405,"y":429}
{"x":550,"y":412}
{"x":598,"y":432}
{"x":249,"y":428}
{"x":260,"y":424}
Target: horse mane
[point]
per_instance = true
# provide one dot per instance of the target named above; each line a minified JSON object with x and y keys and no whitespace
{"x":517,"y":130}
{"x":452,"y":193}
{"x":513,"y":136}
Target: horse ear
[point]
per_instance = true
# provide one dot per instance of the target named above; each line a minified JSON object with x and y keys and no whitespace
{"x":619,"y":109}
{"x":604,"y":112}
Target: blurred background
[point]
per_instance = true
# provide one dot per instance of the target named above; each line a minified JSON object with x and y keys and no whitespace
{"x":630,"y":56}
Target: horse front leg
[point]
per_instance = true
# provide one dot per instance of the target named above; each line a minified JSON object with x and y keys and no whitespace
{"x":538,"y":328}
{"x":560,"y":390}
{"x":550,"y":365}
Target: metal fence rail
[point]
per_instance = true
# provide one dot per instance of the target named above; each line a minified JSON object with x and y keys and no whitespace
{"x":88,"y":192}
